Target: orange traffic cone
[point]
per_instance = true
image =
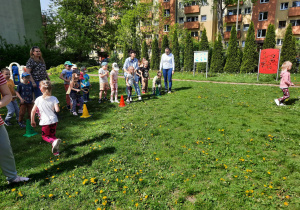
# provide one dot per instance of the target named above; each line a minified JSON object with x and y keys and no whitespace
{"x":85,"y":113}
{"x":122,"y":103}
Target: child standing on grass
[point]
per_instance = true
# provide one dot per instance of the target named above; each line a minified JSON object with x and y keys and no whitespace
{"x":129,"y":82}
{"x":285,"y":82}
{"x":12,"y":107}
{"x":103,"y":77}
{"x":145,"y":76}
{"x":48,"y":106}
{"x":156,"y":81}
{"x":114,"y":83}
{"x":25,"y":94}
{"x":75,"y":95}
{"x":66,"y":76}
{"x":85,"y":85}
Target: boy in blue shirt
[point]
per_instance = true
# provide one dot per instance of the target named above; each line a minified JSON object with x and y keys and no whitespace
{"x":85,"y":85}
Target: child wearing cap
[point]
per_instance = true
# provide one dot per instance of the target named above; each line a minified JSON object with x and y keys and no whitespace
{"x":66,"y":76}
{"x":25,"y":94}
{"x":12,"y":107}
{"x":103,"y":78}
{"x":114,"y":83}
{"x":85,"y":84}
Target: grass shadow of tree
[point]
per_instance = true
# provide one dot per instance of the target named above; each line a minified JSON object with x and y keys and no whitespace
{"x":291,"y":101}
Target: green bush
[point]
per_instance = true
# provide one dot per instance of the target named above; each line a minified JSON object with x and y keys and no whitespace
{"x":56,"y":70}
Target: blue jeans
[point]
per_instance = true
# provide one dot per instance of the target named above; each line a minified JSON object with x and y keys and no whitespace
{"x":37,"y":91}
{"x":12,"y":108}
{"x":168,"y":77}
{"x":86,"y":96}
{"x":136,"y":85}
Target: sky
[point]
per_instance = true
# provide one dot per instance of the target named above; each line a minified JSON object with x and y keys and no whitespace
{"x":44,"y":4}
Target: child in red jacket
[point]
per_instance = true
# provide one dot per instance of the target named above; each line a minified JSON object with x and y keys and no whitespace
{"x":285,"y":82}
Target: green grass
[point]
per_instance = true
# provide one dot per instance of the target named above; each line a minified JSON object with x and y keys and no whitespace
{"x":205,"y":146}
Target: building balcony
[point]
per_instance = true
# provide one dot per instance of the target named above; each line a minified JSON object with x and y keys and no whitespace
{"x":191,"y":9}
{"x":235,"y":4}
{"x":232,"y":18}
{"x":296,"y":29}
{"x":227,"y":34}
{"x":294,"y":11}
{"x":146,"y":29}
{"x":196,"y":38}
{"x":146,"y":1}
{"x":192,"y":25}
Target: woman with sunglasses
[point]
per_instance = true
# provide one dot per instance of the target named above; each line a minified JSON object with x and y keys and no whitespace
{"x":36,"y":67}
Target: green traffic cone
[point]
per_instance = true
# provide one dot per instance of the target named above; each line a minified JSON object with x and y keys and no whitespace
{"x":29,"y":129}
{"x":157,"y":92}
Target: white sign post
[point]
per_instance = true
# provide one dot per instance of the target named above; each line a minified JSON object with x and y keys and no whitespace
{"x":200,"y":57}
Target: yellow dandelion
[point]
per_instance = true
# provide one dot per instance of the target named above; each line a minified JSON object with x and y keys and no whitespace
{"x":124,"y":191}
{"x":104,"y":203}
{"x":269,"y":172}
{"x":146,"y":196}
{"x":286,"y":203}
{"x":52,"y":177}
{"x":264,"y":158}
{"x":50,"y":195}
{"x":271,"y":186}
{"x":157,"y":159}
{"x":284,"y":178}
{"x":99,"y":209}
{"x":104,"y":197}
{"x":125,"y":187}
{"x":117,"y":179}
{"x":270,"y":197}
{"x":287,"y":197}
{"x":247,"y":191}
{"x":115,"y":170}
{"x":96,"y":201}
{"x":13,"y":190}
{"x":235,"y":176}
{"x":103,"y":180}
{"x":136,"y":205}
{"x":20,"y":194}
{"x":140,"y":180}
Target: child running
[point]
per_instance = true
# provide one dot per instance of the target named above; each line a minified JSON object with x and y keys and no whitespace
{"x":48,"y":106}
{"x":156,"y":81}
{"x":129,"y":82}
{"x":25,"y":94}
{"x":12,"y":107}
{"x":103,"y":78}
{"x":75,"y":95}
{"x":285,"y":82}
{"x":114,"y":83}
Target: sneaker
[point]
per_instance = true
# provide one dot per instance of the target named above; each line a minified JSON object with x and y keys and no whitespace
{"x":111,"y":100}
{"x":128,"y":101}
{"x":281,"y":104}
{"x":140,"y":98}
{"x":100,"y":101}
{"x":169,"y":91}
{"x":75,"y":113}
{"x":116,"y":101}
{"x":19,"y":179}
{"x":7,"y":123}
{"x":166,"y":91}
{"x":276,"y":101}
{"x":130,"y":98}
{"x":22,"y":125}
{"x":55,"y":146}
{"x":56,"y":153}
{"x":85,"y":101}
{"x":105,"y":99}
{"x":80,"y":111}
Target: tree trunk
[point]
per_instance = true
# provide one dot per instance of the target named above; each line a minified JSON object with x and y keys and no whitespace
{"x":220,"y":17}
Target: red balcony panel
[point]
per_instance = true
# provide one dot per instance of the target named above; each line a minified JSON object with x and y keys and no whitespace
{"x":232,"y":18}
{"x":296,"y":29}
{"x":233,"y":5}
{"x":294,"y":11}
{"x":192,"y":25}
{"x":227,"y":34}
{"x":192,"y":9}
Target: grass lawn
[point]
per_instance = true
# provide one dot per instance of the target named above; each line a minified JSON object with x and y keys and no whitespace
{"x":205,"y":146}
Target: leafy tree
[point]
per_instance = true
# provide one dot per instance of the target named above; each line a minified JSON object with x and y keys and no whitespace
{"x":136,"y":47}
{"x":188,"y":52}
{"x":155,"y":55}
{"x":232,"y":62}
{"x":250,"y":55}
{"x":164,"y":44}
{"x":204,"y":45}
{"x":175,"y":48}
{"x":288,"y":50}
{"x":145,"y":50}
{"x":270,"y":41}
{"x":217,"y":56}
{"x":125,"y":52}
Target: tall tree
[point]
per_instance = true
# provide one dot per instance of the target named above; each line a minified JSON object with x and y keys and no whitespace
{"x":188,"y":52}
{"x":217,"y":56}
{"x":204,"y":45}
{"x":145,"y":50}
{"x":250,"y":55}
{"x":288,"y":50}
{"x":232,"y":62}
{"x":270,"y":41}
{"x":164,"y":44}
{"x":136,"y":47}
{"x":125,"y":52}
{"x":155,"y":55}
{"x":175,"y":47}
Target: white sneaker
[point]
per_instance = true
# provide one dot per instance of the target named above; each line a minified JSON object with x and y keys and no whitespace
{"x":276,"y":101}
{"x":19,"y":179}
{"x":130,"y":98}
{"x":111,"y":101}
{"x":116,"y":101}
{"x":55,"y":146}
{"x":169,"y":91}
{"x":75,"y":113}
{"x":140,"y":98}
{"x":128,"y":101}
{"x":281,"y":104}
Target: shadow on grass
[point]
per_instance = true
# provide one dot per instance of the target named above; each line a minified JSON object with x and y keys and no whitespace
{"x":291,"y":101}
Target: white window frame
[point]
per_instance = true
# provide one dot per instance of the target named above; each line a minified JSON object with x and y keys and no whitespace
{"x":192,"y":19}
{"x":260,"y":33}
{"x":261,"y":16}
{"x":167,"y":13}
{"x":181,"y":18}
{"x":284,"y":6}
{"x":243,"y":43}
{"x":246,"y":27}
{"x":247,"y":10}
{"x":227,"y":28}
{"x":297,"y":4}
{"x":279,"y":42}
{"x":193,"y":33}
{"x":205,"y":18}
{"x":166,"y":28}
{"x":296,"y":21}
{"x":264,"y":1}
{"x":180,"y":5}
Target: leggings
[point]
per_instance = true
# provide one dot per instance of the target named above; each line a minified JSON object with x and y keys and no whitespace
{"x":48,"y":133}
{"x":129,"y":91}
{"x":7,"y":160}
{"x":285,"y":96}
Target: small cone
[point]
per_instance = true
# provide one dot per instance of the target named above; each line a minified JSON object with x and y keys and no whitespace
{"x":85,"y":113}
{"x":29,"y":129}
{"x":157,"y":92}
{"x":122,"y":103}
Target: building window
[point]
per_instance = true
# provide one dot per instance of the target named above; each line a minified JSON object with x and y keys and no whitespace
{"x":228,"y":28}
{"x":226,"y":45}
{"x":192,"y":19}
{"x":156,"y":36}
{"x":201,"y":33}
{"x":264,"y":1}
{"x":247,"y":10}
{"x":181,"y":5}
{"x":148,"y":36}
{"x":282,"y":24}
{"x":203,"y":18}
{"x":279,"y":42}
{"x":284,"y":6}
{"x":263,"y":16}
{"x":238,"y":43}
{"x":156,"y":23}
{"x":233,"y":11}
{"x":246,"y":27}
{"x":204,"y":3}
{"x":261,"y":33}
{"x":296,"y":4}
{"x":194,"y":33}
{"x":166,"y":0}
{"x":166,"y":28}
{"x":239,"y":28}
{"x":167,"y":13}
{"x":295,"y":22}
{"x":181,"y":20}
{"x":191,"y":3}
{"x":243,"y":43}
{"x":101,"y":21}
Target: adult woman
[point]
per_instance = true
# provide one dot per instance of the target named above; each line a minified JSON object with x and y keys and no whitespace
{"x":167,"y":65}
{"x":7,"y":160}
{"x":37,"y":68}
